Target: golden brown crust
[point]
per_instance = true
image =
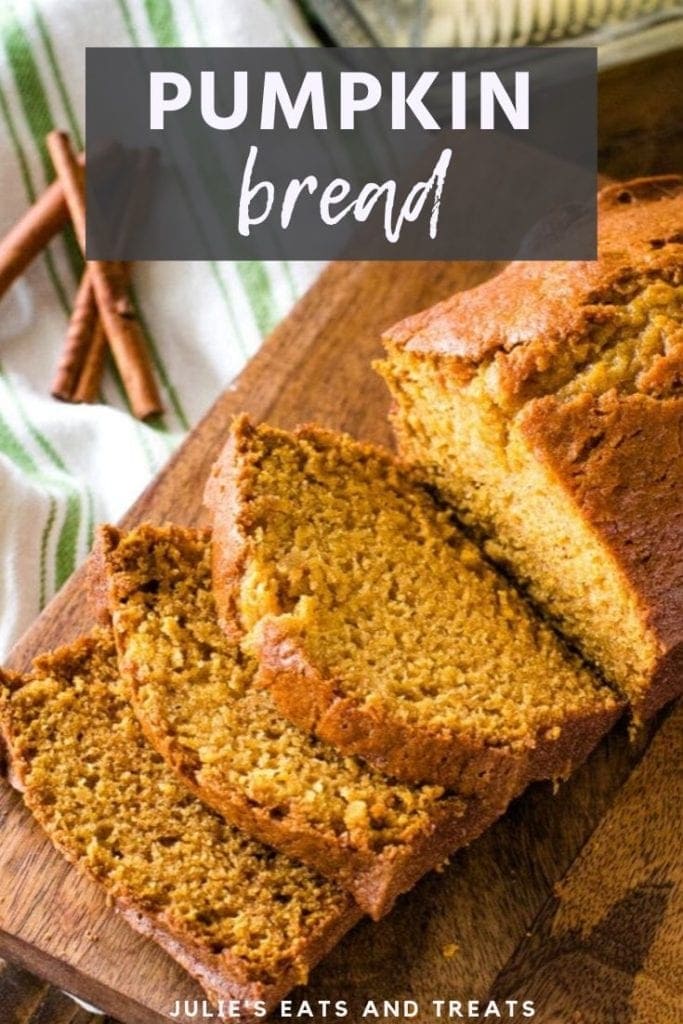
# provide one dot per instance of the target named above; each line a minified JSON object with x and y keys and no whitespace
{"x":204,"y":968}
{"x":222,"y":974}
{"x":377,"y":733}
{"x":616,"y":457}
{"x":397,"y":747}
{"x":620,"y":459}
{"x":106,"y":540}
{"x":9,"y":682}
{"x":375,"y":877}
{"x":375,"y":880}
{"x":390,"y":744}
{"x":229,"y":557}
{"x":557,"y":301}
{"x":210,"y":970}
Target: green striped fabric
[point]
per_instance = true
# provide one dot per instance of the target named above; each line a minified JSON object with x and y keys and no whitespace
{"x":64,"y":468}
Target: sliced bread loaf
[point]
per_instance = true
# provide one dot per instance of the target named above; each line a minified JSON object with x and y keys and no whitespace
{"x":247,"y":922}
{"x":380,"y":627}
{"x":547,"y":406}
{"x":193,"y":692}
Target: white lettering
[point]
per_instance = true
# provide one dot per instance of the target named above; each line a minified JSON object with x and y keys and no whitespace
{"x":413,"y":101}
{"x":350,"y":103}
{"x":292,"y":193}
{"x":492,"y":89}
{"x":391,"y":1008}
{"x":359,"y":91}
{"x":159,"y":102}
{"x":459,"y":100}
{"x":247,"y":192}
{"x":223,"y":122}
{"x":336,"y":192}
{"x":275,"y":94}
{"x":439,"y":179}
{"x":492,"y":1009}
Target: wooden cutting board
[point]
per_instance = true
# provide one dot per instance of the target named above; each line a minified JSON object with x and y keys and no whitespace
{"x":573,"y":900}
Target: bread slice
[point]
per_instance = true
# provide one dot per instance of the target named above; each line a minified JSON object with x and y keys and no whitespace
{"x":192,"y":691}
{"x":247,"y":922}
{"x":547,"y":406}
{"x":380,"y":627}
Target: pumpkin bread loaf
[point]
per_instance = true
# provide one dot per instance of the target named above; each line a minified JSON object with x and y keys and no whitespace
{"x":380,"y":628}
{"x":246,"y":921}
{"x":547,"y":406}
{"x":192,"y":691}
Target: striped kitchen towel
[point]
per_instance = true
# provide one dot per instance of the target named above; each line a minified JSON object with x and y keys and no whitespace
{"x":65,"y":467}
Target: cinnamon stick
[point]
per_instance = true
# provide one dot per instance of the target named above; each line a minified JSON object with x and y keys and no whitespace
{"x":32,"y":232}
{"x":79,"y":372}
{"x":90,"y":378}
{"x":110,"y":287}
{"x":79,"y":337}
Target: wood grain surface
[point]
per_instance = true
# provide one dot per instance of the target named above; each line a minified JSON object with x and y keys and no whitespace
{"x":607,"y":946}
{"x":573,"y":899}
{"x":24,"y":998}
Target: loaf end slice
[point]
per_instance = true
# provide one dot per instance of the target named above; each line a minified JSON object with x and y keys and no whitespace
{"x":547,"y":407}
{"x":193,"y":693}
{"x":380,"y":627}
{"x":247,"y":922}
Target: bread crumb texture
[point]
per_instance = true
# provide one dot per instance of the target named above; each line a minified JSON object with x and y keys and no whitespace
{"x":520,"y":400}
{"x":194,"y":691}
{"x":388,"y":599}
{"x":110,"y":804}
